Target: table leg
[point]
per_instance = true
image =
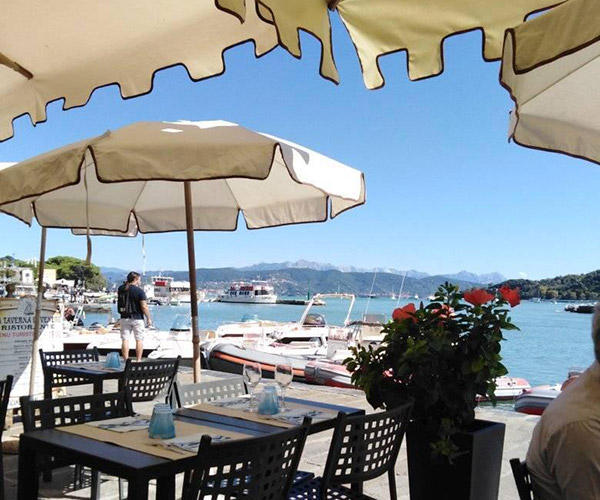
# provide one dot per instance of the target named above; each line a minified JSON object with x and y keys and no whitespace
{"x":165,"y":488}
{"x":28,"y":482}
{"x":137,"y":489}
{"x":98,"y":386}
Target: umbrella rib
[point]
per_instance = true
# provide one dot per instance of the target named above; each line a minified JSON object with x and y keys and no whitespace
{"x":557,"y":81}
{"x":9,"y":63}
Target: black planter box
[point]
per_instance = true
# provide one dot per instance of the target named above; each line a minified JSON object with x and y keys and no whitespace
{"x":474,"y":475}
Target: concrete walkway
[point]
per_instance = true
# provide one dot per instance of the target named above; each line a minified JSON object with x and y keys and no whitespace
{"x":518,"y":433}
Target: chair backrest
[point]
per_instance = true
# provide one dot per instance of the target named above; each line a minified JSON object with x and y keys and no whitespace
{"x":365,"y":446}
{"x":205,"y":392}
{"x":522,"y":478}
{"x":261,"y":468}
{"x":146,"y":380}
{"x":5,"y":387}
{"x":50,"y":413}
{"x":54,"y":358}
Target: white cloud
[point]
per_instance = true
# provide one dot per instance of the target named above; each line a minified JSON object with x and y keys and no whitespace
{"x":522,"y":275}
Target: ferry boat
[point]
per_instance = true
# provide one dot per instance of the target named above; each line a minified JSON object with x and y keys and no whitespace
{"x":255,"y":292}
{"x":165,"y":290}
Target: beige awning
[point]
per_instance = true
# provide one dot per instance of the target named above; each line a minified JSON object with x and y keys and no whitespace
{"x":55,"y":49}
{"x":379,"y":27}
{"x":131,"y":180}
{"x":551,"y":67}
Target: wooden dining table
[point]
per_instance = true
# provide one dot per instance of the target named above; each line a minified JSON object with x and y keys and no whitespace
{"x":138,"y":467}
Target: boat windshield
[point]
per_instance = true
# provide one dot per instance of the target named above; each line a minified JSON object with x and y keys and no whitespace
{"x":249,"y":318}
{"x":315,"y":320}
{"x":182,"y":323}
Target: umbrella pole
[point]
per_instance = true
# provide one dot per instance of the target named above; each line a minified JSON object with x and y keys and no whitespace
{"x":189,"y":223}
{"x":38,"y":312}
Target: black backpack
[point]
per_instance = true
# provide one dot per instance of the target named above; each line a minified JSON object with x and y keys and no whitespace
{"x":124,"y":302}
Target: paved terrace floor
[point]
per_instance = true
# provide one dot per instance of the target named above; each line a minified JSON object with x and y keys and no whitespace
{"x":518,"y":433}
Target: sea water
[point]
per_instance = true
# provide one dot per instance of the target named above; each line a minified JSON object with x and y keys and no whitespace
{"x":550,"y":342}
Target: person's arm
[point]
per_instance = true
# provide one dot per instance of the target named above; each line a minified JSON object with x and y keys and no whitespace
{"x":146,"y":312}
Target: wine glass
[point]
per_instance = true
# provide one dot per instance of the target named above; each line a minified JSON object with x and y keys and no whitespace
{"x":252,"y":375}
{"x":284,"y":375}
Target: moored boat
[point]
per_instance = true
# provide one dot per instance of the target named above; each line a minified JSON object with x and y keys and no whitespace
{"x":534,"y":401}
{"x":508,"y":388}
{"x":229,"y":357}
{"x":255,"y":292}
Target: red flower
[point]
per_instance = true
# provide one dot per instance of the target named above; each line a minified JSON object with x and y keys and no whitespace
{"x":408,"y":311}
{"x":510,"y":295}
{"x":478,"y":297}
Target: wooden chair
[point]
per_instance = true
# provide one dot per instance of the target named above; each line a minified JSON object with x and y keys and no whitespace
{"x":146,"y":380}
{"x":205,"y":392}
{"x":54,"y":358}
{"x":260,"y":468}
{"x":5,"y":387}
{"x":52,"y":413}
{"x":522,"y":478}
{"x":363,"y":447}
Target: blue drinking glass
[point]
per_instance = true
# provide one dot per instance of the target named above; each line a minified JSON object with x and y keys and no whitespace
{"x":269,"y":404}
{"x":162,"y":425}
{"x":113,"y":360}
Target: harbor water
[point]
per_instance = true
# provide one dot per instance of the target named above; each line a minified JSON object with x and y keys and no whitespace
{"x":550,"y":342}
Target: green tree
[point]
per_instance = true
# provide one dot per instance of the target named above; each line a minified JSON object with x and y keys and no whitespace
{"x":71,"y":268}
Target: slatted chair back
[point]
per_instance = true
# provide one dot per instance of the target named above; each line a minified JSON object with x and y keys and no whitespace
{"x":146,"y":380}
{"x":51,"y":413}
{"x":205,"y":392}
{"x":261,"y":468}
{"x":365,"y":447}
{"x":55,"y":358}
{"x":5,"y":387}
{"x":522,"y":478}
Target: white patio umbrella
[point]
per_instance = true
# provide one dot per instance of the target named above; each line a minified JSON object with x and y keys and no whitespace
{"x":64,"y":49}
{"x":182,"y":176}
{"x":380,"y":27}
{"x":551,"y":67}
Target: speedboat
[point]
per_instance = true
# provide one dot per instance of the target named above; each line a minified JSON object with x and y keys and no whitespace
{"x":310,"y":338}
{"x":534,"y":401}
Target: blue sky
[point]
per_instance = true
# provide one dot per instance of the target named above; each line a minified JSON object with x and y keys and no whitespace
{"x":445,"y":190}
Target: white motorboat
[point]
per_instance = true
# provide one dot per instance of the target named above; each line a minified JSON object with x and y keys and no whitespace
{"x":255,"y":292}
{"x":311,"y":327}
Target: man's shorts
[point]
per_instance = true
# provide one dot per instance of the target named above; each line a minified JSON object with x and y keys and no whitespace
{"x":129,"y":326}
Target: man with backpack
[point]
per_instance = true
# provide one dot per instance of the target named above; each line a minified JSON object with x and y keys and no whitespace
{"x":132,"y":308}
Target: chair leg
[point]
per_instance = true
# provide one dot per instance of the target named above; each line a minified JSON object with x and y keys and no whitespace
{"x":78,"y":476}
{"x":1,"y":474}
{"x":95,"y":493}
{"x":121,"y":489}
{"x":392,"y":481}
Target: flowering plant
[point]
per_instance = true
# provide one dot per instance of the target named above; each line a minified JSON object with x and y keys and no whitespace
{"x":441,"y":355}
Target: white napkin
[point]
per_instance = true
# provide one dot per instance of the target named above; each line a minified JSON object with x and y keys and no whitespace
{"x":124,"y":424}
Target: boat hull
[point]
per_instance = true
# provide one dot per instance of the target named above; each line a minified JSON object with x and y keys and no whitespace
{"x":325,"y":372}
{"x":535,"y":401}
{"x":231,"y":358}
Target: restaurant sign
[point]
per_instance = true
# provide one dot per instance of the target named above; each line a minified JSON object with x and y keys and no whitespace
{"x":17,"y":317}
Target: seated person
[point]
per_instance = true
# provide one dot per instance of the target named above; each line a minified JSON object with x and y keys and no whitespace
{"x":564,"y":453}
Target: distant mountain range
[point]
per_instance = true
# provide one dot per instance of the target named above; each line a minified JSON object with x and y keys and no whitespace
{"x":483,"y":279}
{"x":300,"y":277}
